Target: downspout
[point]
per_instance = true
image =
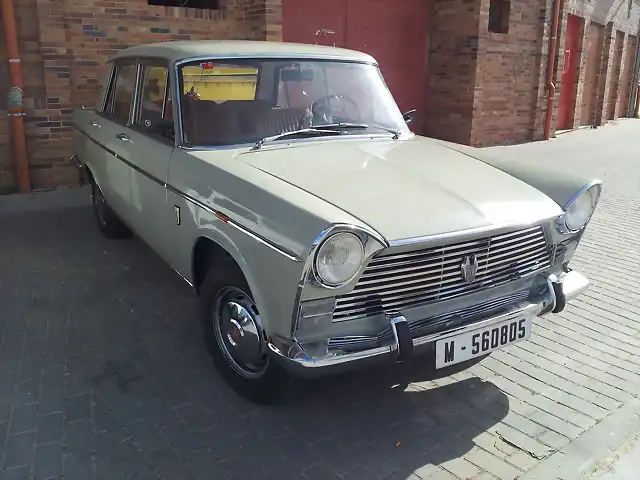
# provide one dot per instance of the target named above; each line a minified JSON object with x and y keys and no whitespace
{"x":15,"y":106}
{"x":551,"y":66}
{"x":635,"y":85}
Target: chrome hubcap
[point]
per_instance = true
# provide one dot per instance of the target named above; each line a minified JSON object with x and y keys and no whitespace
{"x":238,"y":330}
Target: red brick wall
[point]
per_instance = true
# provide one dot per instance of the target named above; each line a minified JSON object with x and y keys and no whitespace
{"x":507,"y":78}
{"x":452,"y":69}
{"x":612,"y":98}
{"x":65,"y":44}
{"x":590,"y":78}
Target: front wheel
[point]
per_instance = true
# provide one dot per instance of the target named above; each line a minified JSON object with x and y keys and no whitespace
{"x":233,"y":332}
{"x":108,"y":222}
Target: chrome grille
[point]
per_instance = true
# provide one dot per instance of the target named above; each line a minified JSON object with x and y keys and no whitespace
{"x":399,"y":281}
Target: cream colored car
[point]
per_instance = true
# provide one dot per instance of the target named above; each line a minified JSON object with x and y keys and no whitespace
{"x":284,"y":184}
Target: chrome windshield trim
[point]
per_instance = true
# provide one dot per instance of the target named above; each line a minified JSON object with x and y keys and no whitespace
{"x":289,"y":142}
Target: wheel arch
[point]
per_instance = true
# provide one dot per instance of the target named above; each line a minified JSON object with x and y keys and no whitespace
{"x":208,"y":251}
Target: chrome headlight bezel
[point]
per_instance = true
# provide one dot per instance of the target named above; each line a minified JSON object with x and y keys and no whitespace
{"x":590,"y":191}
{"x":371,"y":242}
{"x":357,"y":248}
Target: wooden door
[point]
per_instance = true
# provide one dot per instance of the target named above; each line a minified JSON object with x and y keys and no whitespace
{"x":570,"y":71}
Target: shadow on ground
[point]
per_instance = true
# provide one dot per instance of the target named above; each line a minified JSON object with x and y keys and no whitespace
{"x":102,"y":356}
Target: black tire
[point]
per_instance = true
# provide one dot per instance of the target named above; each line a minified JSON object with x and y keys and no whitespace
{"x":108,"y":222}
{"x":271,"y":381}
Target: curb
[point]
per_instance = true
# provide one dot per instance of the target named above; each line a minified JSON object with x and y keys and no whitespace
{"x":577,"y":459}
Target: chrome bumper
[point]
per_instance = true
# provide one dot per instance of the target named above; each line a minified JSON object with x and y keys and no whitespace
{"x":400,"y":346}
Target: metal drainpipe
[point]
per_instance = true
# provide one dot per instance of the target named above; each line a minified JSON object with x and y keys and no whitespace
{"x":635,"y":85}
{"x":551,"y":65}
{"x":15,"y":106}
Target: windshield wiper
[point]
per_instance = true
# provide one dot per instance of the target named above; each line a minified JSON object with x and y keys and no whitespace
{"x":396,"y":133}
{"x":311,"y":132}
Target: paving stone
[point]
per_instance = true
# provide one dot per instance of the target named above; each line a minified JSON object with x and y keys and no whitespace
{"x":77,"y":466}
{"x":16,"y":473}
{"x":48,"y":461}
{"x":19,"y":449}
{"x":24,"y":418}
{"x":205,"y":465}
{"x":78,"y":436}
{"x":49,"y":428}
{"x":77,"y":407}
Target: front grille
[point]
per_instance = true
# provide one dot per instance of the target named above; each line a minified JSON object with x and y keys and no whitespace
{"x":403,"y":280}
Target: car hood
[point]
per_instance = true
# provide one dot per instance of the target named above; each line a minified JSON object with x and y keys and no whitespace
{"x":405,"y":188}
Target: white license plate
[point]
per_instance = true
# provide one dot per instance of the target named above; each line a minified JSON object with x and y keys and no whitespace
{"x":479,"y":342}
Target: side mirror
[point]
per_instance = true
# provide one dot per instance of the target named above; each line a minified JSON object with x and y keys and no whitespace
{"x":408,"y":116}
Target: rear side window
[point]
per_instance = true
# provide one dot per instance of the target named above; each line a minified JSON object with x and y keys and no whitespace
{"x":120,"y":96}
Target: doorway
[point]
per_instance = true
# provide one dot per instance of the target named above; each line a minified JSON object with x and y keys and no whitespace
{"x":570,"y":71}
{"x":394,"y":32}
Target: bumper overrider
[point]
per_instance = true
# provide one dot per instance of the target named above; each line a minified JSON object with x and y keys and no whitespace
{"x":400,"y":345}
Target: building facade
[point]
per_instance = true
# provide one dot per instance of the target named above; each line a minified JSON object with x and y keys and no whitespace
{"x":475,"y":70}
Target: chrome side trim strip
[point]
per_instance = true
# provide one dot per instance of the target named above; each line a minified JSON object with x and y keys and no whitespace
{"x":219,"y":215}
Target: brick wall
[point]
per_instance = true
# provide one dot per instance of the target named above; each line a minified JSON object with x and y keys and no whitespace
{"x":452,"y":69}
{"x":65,"y":44}
{"x":508,"y":74}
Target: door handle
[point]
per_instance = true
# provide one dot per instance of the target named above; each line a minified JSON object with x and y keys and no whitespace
{"x":95,"y":124}
{"x":123,"y":137}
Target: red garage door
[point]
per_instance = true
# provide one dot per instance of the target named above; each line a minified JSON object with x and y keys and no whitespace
{"x":394,"y":32}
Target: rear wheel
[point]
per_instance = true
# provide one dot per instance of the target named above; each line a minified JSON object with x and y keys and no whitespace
{"x":235,"y":337}
{"x":108,"y":222}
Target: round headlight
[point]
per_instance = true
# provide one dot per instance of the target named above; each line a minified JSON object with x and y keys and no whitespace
{"x":339,"y":258}
{"x":579,"y":212}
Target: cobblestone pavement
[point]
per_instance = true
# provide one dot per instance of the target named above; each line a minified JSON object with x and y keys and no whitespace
{"x":104,"y":375}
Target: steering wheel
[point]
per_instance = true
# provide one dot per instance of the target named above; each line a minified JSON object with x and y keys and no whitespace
{"x":325,"y":107}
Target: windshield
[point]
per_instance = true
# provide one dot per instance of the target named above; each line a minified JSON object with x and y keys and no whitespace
{"x":228,"y":102}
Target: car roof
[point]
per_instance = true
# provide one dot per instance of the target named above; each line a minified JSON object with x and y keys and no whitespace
{"x":180,"y":50}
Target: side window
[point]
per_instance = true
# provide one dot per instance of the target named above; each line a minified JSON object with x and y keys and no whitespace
{"x":121,"y":94}
{"x":156,"y":111}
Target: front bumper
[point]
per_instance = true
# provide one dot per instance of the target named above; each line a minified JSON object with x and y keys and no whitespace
{"x":400,"y":345}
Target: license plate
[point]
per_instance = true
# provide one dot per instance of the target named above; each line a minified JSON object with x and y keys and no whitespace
{"x":479,"y":342}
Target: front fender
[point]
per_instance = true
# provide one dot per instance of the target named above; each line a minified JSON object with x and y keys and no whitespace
{"x":558,"y":184}
{"x":272,"y":277}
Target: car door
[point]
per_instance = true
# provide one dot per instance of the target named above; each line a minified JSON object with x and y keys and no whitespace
{"x":149,"y":143}
{"x":113,"y":172}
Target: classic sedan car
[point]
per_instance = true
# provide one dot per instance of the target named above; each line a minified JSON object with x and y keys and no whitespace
{"x":284,"y":184}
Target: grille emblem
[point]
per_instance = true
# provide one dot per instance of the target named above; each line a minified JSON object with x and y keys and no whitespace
{"x":469,"y":268}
